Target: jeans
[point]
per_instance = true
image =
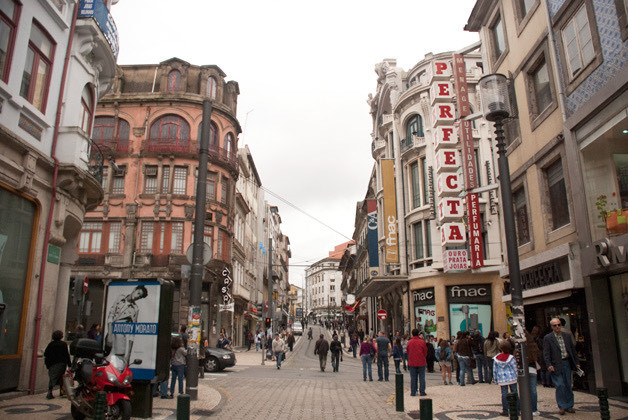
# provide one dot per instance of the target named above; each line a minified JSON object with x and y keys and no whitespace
{"x":562,"y":383}
{"x":178,"y":371}
{"x":533,"y":394}
{"x":513,"y":388}
{"x":257,"y":346}
{"x":397,"y":364}
{"x":278,"y":356}
{"x":481,"y":363}
{"x":354,"y":348}
{"x":463,"y":362}
{"x":382,"y":361}
{"x":490,"y":369}
{"x":163,"y":388}
{"x":335,"y":361}
{"x":405,"y":361}
{"x":366,"y":362}
{"x":417,"y":374}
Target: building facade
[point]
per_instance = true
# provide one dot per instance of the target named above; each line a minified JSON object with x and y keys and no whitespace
{"x":148,"y":129}
{"x":58,"y":59}
{"x":434,"y":202}
{"x":566,"y":61}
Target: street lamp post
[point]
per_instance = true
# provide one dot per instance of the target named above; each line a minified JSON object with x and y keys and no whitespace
{"x":496,"y":107}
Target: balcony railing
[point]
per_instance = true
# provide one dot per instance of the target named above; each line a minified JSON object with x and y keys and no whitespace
{"x":377,"y":146}
{"x":113,"y":145}
{"x":189,"y":146}
{"x":411,"y":142}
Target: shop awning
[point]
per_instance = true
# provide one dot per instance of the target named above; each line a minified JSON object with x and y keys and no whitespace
{"x":380,"y":285}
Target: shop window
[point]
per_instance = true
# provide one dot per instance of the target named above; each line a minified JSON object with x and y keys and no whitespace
{"x":9,"y":18}
{"x":174,"y":79}
{"x":38,"y":67}
{"x":557,"y":193}
{"x":90,"y":238}
{"x":17,"y":221}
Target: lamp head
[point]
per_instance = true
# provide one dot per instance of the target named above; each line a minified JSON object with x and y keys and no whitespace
{"x":495,"y":97}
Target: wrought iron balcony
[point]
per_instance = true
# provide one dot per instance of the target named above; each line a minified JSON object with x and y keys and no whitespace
{"x":411,"y":142}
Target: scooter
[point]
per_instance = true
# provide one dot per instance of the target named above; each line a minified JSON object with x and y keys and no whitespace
{"x":94,"y":373}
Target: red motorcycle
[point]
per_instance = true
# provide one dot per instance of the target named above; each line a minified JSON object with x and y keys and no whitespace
{"x":95,"y":373}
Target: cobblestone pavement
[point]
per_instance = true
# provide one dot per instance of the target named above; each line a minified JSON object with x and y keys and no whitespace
{"x":301,"y":391}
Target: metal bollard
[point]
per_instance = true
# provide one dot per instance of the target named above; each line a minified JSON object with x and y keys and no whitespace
{"x":399,"y":391}
{"x":99,"y":405}
{"x":183,"y":407}
{"x":512,"y":405}
{"x":602,"y":395}
{"x":425,"y":409}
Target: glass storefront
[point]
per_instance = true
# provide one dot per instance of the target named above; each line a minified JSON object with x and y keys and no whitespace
{"x":17,"y":217}
{"x":425,"y":310}
{"x":470,"y":308}
{"x":619,"y":295}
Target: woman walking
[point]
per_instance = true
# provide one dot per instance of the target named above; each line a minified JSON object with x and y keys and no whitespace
{"x":444,"y":357}
{"x":178,"y":365}
{"x":491,"y":349}
{"x":367,"y":350}
{"x":397,"y":355}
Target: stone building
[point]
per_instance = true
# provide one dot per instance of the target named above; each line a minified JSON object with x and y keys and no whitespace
{"x":58,"y":59}
{"x":148,"y":129}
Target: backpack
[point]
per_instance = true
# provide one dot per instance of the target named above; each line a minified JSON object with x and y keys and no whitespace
{"x":442,"y":356}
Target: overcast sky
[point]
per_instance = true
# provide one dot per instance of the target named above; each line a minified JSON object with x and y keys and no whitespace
{"x":305,"y":70}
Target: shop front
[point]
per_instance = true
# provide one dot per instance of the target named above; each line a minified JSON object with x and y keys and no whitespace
{"x":425,"y":310}
{"x":470,"y":308}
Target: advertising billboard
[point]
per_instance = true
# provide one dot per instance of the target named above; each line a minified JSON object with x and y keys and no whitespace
{"x":390,"y":211}
{"x":371,"y":209}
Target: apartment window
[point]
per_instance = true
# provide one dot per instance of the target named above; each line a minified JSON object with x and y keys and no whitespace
{"x":179,"y":180}
{"x":150,"y":180}
{"x":37,"y":69}
{"x":146,"y":237}
{"x":578,"y":42}
{"x":170,"y":127}
{"x":541,"y":96}
{"x":87,"y":105}
{"x":414,"y":127}
{"x":542,"y":90}
{"x":110,"y":128}
{"x":521,"y":216}
{"x":421,"y":234}
{"x":425,"y":181}
{"x":332,"y":288}
{"x":117,"y":183}
{"x":224,"y":195}
{"x":115,"y":231}
{"x":622,"y":17}
{"x":498,"y":38}
{"x":211,"y":87}
{"x":176,"y":239}
{"x":90,"y":238}
{"x":9,"y":17}
{"x":229,"y":144}
{"x":557,"y":194}
{"x":416,"y":184}
{"x":523,"y":11}
{"x":213,"y":134}
{"x":174,"y":79}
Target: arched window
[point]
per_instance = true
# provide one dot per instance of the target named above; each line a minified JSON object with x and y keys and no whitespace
{"x":213,"y":131}
{"x":87,"y":104}
{"x":229,"y":144}
{"x":105,"y":129}
{"x":170,"y":127}
{"x":414,"y":126}
{"x":174,"y":78}
{"x":211,"y":87}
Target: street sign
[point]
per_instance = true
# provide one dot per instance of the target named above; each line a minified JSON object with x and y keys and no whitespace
{"x":207,"y":253}
{"x":382,"y":314}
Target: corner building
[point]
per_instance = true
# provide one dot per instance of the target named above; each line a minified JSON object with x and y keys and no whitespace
{"x":438,"y":256}
{"x":148,"y":129}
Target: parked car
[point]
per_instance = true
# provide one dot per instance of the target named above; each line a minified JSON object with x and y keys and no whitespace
{"x":218,"y":359}
{"x":297,"y":328}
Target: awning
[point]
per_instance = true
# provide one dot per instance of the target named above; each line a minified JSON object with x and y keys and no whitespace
{"x":380,"y":285}
{"x":251,"y":315}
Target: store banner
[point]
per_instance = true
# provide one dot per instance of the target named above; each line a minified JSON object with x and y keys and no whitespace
{"x":371,"y":210}
{"x":425,"y":310}
{"x":390,"y":211}
{"x":474,"y":219}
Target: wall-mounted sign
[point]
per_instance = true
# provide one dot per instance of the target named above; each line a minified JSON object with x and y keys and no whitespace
{"x":480,"y":293}
{"x":371,"y":209}
{"x":453,"y":234}
{"x":390,"y":212}
{"x":445,"y":136}
{"x":455,"y":259}
{"x":423,"y":296}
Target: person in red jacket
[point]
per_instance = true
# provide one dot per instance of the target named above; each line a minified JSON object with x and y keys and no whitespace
{"x":417,"y":351}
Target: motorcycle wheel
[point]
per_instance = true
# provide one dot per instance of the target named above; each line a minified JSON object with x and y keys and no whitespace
{"x":124,"y":407}
{"x":76,"y":414}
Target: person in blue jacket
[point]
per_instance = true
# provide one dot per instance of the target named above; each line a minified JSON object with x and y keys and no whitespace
{"x":444,"y":357}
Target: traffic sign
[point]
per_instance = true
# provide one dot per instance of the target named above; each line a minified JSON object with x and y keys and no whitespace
{"x":85,"y":285}
{"x":382,"y":314}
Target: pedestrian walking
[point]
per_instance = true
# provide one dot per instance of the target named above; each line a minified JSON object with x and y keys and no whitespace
{"x":505,"y":373}
{"x":480,"y":360}
{"x":249,"y":340}
{"x":258,"y":339}
{"x":354,"y":343}
{"x":491,"y":349}
{"x":404,"y":345}
{"x":367,"y":351}
{"x":177,"y":366}
{"x":463,"y":348}
{"x":336,"y":353}
{"x":384,"y":350}
{"x":444,"y":357}
{"x":397,"y":354}
{"x":201,"y":354}
{"x":290,"y":341}
{"x":431,"y":354}
{"x":56,"y":358}
{"x":279,"y":348}
{"x":321,"y":348}
{"x":560,"y":357}
{"x":417,"y":353}
{"x":361,"y":334}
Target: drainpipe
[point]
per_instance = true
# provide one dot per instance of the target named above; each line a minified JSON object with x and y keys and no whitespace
{"x":42,"y":269}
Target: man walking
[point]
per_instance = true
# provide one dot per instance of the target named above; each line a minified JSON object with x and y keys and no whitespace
{"x":321,"y":348}
{"x":560,"y":357}
{"x":336,"y":353}
{"x":384,"y":349}
{"x":279,"y":348}
{"x":417,"y":353}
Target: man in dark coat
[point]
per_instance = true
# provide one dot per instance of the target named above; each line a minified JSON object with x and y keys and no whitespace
{"x":560,"y":357}
{"x":336,"y":353}
{"x":57,"y":358}
{"x":321,"y":348}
